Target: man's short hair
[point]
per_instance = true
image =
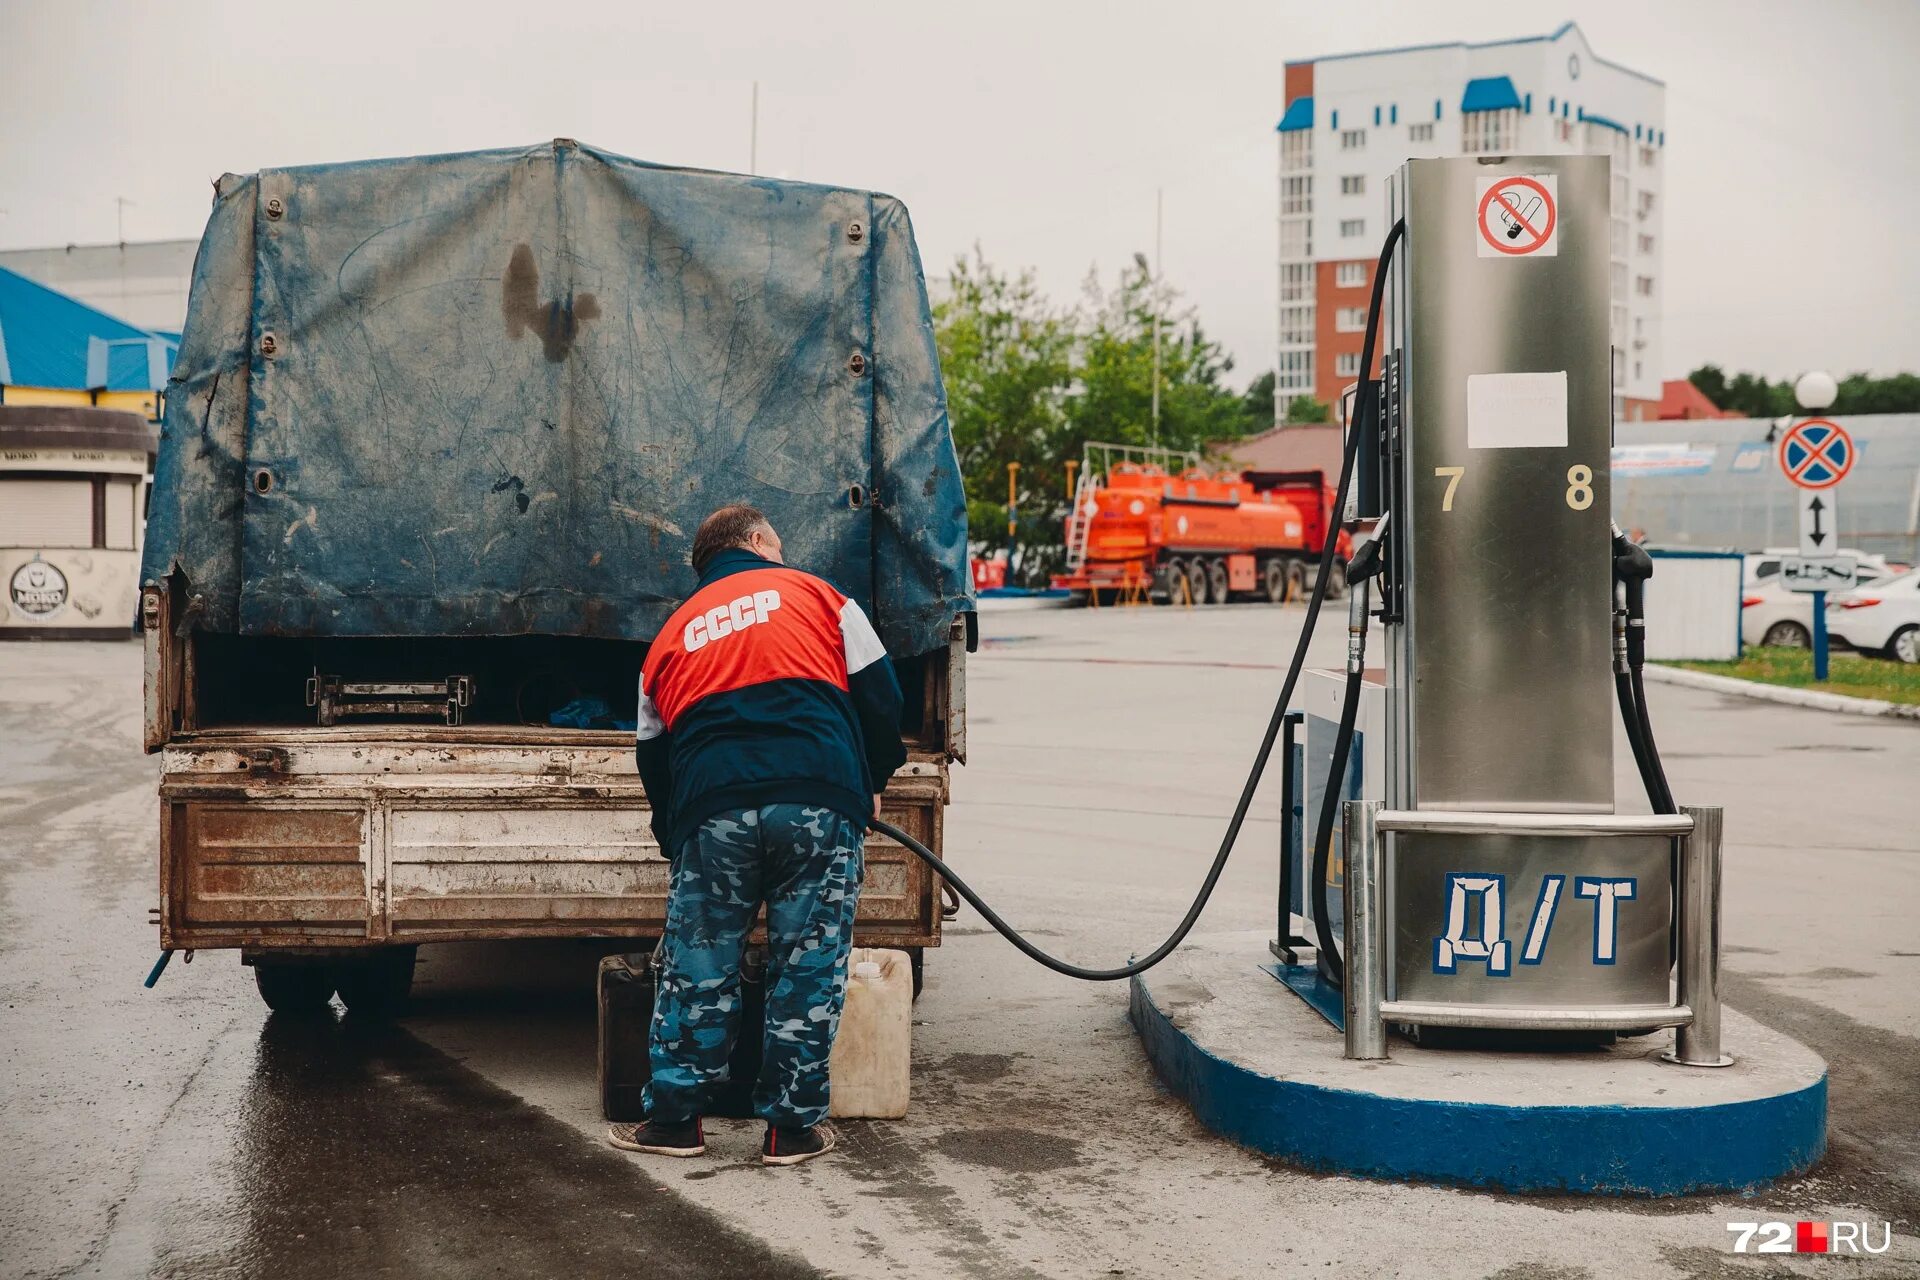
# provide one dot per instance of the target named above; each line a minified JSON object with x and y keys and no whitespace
{"x":728,"y":527}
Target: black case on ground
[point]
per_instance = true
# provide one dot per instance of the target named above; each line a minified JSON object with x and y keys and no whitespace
{"x":627,"y":984}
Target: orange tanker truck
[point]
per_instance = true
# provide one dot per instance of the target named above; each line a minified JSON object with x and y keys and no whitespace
{"x":1156,"y":523}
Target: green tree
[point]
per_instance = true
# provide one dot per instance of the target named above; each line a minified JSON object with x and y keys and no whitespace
{"x":1031,"y":383}
{"x":1114,"y":399}
{"x":1006,"y":356}
{"x":1712,"y":382}
{"x":1754,"y":396}
{"x":1307,"y":409}
{"x":1257,"y":405}
{"x":1860,"y":393}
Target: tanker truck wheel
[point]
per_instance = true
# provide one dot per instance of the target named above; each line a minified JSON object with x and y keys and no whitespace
{"x":1296,"y":580}
{"x":1197,"y":580}
{"x":1336,"y":581}
{"x":1217,"y":581}
{"x":1167,"y":577}
{"x":1276,"y":582}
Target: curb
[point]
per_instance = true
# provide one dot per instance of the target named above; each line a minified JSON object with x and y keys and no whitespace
{"x":1814,"y":698}
{"x":1608,"y":1150}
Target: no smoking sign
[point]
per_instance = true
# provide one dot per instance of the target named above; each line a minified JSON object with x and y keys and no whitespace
{"x":1519,"y":216}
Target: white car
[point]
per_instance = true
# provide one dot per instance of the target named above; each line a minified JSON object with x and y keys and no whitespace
{"x":1771,"y":614}
{"x":1883,"y":618}
{"x":1759,"y":566}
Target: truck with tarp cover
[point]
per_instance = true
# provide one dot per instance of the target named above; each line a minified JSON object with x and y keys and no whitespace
{"x":435,"y":446}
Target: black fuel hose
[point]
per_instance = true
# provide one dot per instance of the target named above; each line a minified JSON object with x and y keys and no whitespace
{"x":1661,"y":798}
{"x":1328,"y":554}
{"x":1632,"y":566}
{"x":1330,"y":959}
{"x":1227,"y":841}
{"x":1630,"y":719}
{"x":1653,"y":775}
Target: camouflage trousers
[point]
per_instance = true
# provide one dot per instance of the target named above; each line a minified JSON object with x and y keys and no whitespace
{"x":805,"y":863}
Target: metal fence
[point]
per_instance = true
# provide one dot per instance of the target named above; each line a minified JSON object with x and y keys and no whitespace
{"x":1717,"y":483}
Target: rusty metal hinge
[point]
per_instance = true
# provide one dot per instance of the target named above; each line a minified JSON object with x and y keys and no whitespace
{"x":266,"y":760}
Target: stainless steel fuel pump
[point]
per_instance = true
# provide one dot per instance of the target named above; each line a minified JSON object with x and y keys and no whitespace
{"x":1497,"y":886}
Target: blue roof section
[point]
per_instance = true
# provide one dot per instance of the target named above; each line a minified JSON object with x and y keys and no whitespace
{"x":50,"y":340}
{"x":1490,"y":93}
{"x":1603,"y":122}
{"x":1482,"y":44}
{"x":1299,"y":115}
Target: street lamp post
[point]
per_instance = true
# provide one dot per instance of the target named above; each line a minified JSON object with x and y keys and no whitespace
{"x":1816,"y":392}
{"x":1013,"y":508}
{"x":1156,"y":315}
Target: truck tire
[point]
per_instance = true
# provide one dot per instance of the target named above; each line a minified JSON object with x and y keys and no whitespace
{"x":1166,"y":582}
{"x":292,"y":988}
{"x":1197,"y":580}
{"x":1276,"y":582}
{"x":1296,"y":580}
{"x":1336,"y":581}
{"x":1217,"y":581}
{"x":375,"y":985}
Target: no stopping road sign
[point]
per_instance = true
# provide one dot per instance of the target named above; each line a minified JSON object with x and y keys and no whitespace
{"x":1816,"y":454}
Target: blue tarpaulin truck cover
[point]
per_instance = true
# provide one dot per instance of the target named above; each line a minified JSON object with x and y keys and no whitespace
{"x":495,"y":393}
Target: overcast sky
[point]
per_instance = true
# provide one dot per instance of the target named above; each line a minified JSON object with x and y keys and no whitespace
{"x":1038,"y":130}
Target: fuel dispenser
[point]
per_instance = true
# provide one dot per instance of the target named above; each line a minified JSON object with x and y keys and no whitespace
{"x":1494,"y":885}
{"x":1488,"y":879}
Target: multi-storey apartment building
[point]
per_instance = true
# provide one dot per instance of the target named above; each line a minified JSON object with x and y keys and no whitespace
{"x":1353,"y":118}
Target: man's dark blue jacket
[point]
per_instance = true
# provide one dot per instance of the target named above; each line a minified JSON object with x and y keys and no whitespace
{"x":768,"y":686}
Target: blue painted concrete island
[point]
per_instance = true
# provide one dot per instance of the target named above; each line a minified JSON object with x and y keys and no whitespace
{"x":1601,"y":1150}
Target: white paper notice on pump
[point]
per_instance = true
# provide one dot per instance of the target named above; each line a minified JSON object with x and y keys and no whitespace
{"x":1517,"y":410}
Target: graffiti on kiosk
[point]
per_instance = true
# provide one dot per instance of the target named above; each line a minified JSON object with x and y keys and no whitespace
{"x":38,"y":589}
{"x":1483,"y":939}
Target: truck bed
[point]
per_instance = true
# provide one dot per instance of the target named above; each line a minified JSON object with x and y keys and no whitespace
{"x":372,"y":836}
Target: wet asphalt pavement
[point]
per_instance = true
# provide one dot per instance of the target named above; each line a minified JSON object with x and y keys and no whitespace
{"x":364,"y":1152}
{"x":182,"y":1131}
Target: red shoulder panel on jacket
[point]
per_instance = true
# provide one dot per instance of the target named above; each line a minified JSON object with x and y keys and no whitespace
{"x":746,"y":629}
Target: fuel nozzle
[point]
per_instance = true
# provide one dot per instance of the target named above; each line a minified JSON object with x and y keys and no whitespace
{"x":1366,"y":563}
{"x":1632,"y":566}
{"x":1369,"y":558}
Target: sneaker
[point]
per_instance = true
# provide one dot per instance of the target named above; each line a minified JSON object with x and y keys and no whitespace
{"x":682,"y":1140}
{"x":796,"y":1146}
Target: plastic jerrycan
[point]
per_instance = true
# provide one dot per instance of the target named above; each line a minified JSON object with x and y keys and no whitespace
{"x":871,"y":1066}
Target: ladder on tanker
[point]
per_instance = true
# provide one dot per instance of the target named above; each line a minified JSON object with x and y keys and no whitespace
{"x":1078,"y":517}
{"x":1097,"y":460}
